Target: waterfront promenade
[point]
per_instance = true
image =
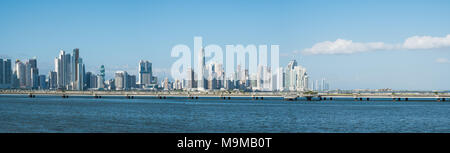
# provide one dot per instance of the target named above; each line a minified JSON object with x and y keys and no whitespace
{"x":231,"y":95}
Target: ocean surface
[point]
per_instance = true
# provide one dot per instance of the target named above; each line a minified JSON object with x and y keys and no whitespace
{"x":55,"y":114}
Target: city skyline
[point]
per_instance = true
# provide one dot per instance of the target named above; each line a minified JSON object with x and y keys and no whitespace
{"x":372,"y":36}
{"x":69,"y":74}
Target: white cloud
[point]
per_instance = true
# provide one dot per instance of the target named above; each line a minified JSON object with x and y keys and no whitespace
{"x":342,"y":46}
{"x":442,"y":60}
{"x":426,"y":42}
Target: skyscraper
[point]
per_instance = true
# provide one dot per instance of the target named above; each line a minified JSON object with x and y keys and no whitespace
{"x":190,"y":78}
{"x":100,"y":82}
{"x":145,"y":73}
{"x":2,"y":73}
{"x":92,"y":81}
{"x":20,"y":72}
{"x":120,"y":80}
{"x":52,"y":80}
{"x":87,"y":80}
{"x":42,"y":83}
{"x":295,"y":77}
{"x":201,"y":70}
{"x":79,"y":79}
{"x":290,"y":75}
{"x":67,"y":64}
{"x":75,"y":61}
{"x":70,"y":70}
{"x":28,"y":80}
{"x":281,"y":81}
{"x":5,"y":73}
{"x":34,"y":73}
{"x":60,"y":69}
{"x":34,"y":78}
{"x":74,"y":77}
{"x":131,"y":81}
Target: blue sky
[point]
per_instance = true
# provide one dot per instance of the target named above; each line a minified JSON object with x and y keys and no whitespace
{"x":120,"y":33}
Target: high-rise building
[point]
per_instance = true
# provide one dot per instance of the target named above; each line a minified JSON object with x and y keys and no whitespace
{"x":177,"y":85}
{"x":166,"y":84}
{"x":92,"y":81}
{"x":325,"y":86}
{"x":290,"y":75}
{"x":201,"y":71}
{"x":145,"y":73}
{"x":28,"y":80}
{"x":68,"y":71}
{"x":42,"y":83}
{"x":295,"y":77}
{"x":14,"y":80}
{"x":52,"y":80}
{"x":102,"y":72}
{"x":87,"y":80}
{"x":190,"y":78}
{"x":120,"y":80}
{"x":33,"y":77}
{"x":263,"y":78}
{"x":79,"y":79}
{"x":131,"y":81}
{"x":75,"y":61}
{"x":21,"y":74}
{"x":281,"y":81}
{"x":5,"y":73}
{"x":100,"y":82}
{"x":111,"y":85}
{"x":2,"y":73}
{"x":61,"y":70}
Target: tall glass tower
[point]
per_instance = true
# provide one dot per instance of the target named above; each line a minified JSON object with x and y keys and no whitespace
{"x":102,"y":72}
